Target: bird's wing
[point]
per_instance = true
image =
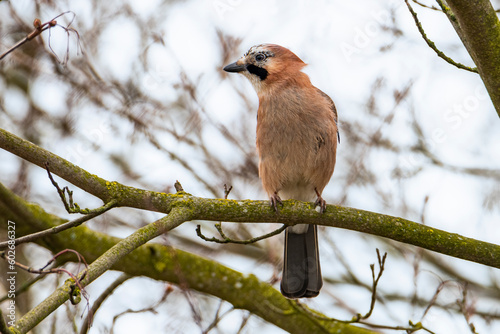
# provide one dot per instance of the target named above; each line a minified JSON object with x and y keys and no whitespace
{"x":333,"y":108}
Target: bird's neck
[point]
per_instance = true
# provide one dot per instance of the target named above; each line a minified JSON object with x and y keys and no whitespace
{"x":275,"y":85}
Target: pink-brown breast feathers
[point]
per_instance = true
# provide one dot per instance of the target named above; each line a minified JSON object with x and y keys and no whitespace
{"x":296,"y":140}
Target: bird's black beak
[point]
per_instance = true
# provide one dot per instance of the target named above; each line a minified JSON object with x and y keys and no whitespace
{"x":234,"y":67}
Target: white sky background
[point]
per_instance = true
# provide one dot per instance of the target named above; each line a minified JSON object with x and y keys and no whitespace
{"x":341,"y":42}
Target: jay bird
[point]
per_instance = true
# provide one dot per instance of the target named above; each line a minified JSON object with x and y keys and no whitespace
{"x":297,"y":143}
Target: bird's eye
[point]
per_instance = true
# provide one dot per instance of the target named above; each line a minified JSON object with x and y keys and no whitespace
{"x":260,"y":57}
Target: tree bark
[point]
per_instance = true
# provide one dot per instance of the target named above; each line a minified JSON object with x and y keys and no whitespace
{"x":477,"y":25}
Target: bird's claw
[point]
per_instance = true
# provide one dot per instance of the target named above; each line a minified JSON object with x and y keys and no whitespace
{"x":274,"y":200}
{"x":320,"y":202}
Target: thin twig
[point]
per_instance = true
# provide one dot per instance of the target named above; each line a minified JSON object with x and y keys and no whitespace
{"x":426,"y":6}
{"x":43,"y":271}
{"x":218,"y":317}
{"x":413,"y":327}
{"x":381,"y":265}
{"x":244,"y":322}
{"x":225,"y":239}
{"x":227,"y":190}
{"x":444,"y":8}
{"x":466,"y":310}
{"x":178,"y":186}
{"x":432,"y":45}
{"x":41,"y":27}
{"x":98,"y":302}
{"x":56,"y":229}
{"x":68,"y":31}
{"x":151,"y":309}
{"x":70,"y":205}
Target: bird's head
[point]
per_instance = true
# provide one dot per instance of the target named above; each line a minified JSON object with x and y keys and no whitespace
{"x":266,"y":65}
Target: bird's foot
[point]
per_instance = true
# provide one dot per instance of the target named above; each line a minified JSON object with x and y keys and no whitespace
{"x":320,"y":202}
{"x":274,"y":200}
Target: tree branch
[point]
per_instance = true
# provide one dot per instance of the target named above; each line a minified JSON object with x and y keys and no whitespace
{"x":65,"y":169}
{"x":98,"y":302}
{"x":41,"y":27}
{"x":165,"y":263}
{"x":478,"y":26}
{"x":100,"y":265}
{"x":432,"y":45}
{"x":293,"y":212}
{"x":3,"y":325}
{"x":59,"y":228}
{"x":226,"y":240}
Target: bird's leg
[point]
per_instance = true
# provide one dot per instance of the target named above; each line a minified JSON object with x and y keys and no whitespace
{"x":274,"y":200}
{"x":320,"y":202}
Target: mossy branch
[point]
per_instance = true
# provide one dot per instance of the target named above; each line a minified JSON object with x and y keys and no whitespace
{"x":293,"y":212}
{"x":115,"y":253}
{"x":102,"y":264}
{"x":160,"y":262}
{"x":59,"y":228}
{"x":3,"y":325}
{"x":433,"y":46}
{"x":478,"y":26}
